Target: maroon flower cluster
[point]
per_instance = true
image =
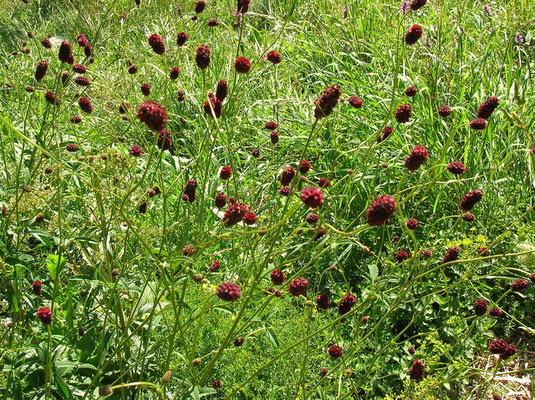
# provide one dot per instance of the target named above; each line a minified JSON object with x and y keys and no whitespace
{"x":220,"y":200}
{"x":403,"y":113}
{"x":470,"y":199}
{"x":412,"y":224}
{"x":401,"y":256}
{"x":274,"y":57}
{"x":346,"y":303}
{"x":381,"y":210}
{"x":202,"y":58}
{"x":37,"y":288}
{"x":305,"y":166}
{"x":451,"y":254}
{"x":298,"y":287}
{"x":189,"y":194}
{"x":213,"y":103}
{"x":335,"y":351}
{"x":480,"y":307}
{"x":235,"y":213}
{"x":519,"y":285}
{"x":456,"y":168}
{"x":417,"y":4}
{"x":417,"y":370}
{"x":40,"y":70}
{"x":243,"y":6}
{"x":277,"y":277}
{"x":45,"y":315}
{"x":311,"y":219}
{"x":326,"y":103}
{"x":225,"y":173}
{"x":323,"y":301}
{"x":444,"y":111}
{"x":287,"y":176}
{"x":414,"y":33}
{"x":355,"y":102}
{"x":478,"y":124}
{"x":164,"y":139}
{"x":153,"y":115}
{"x":242,"y":65}
{"x":145,"y":89}
{"x":181,"y":38}
{"x":416,"y":158}
{"x":312,"y":196}
{"x":228,"y":291}
{"x":411,"y":91}
{"x":65,"y":53}
{"x":156,"y":42}
{"x":221,"y":90}
{"x":175,"y":71}
{"x":486,"y":109}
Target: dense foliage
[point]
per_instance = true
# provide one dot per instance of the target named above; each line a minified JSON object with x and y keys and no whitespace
{"x":267,"y":199}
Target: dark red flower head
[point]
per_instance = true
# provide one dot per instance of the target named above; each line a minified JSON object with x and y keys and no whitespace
{"x":274,"y":137}
{"x":221,"y":90}
{"x":214,"y":267}
{"x":416,"y":158}
{"x":235,"y":213}
{"x":164,"y":139}
{"x":312,"y":196}
{"x":45,"y":315}
{"x":82,"y":40}
{"x":381,"y":210}
{"x":298,"y":287}
{"x":79,"y":68}
{"x":304,"y":167}
{"x":87,"y":52}
{"x":46,"y":43}
{"x":412,"y":224}
{"x":470,"y":199}
{"x":486,"y":109}
{"x":72,"y":147}
{"x":76,"y":119}
{"x":335,"y":351}
{"x":175,"y":71}
{"x":326,"y":103}
{"x":456,"y":168}
{"x":519,"y":285}
{"x":132,"y":69}
{"x":355,"y":102}
{"x":417,"y":370}
{"x":444,"y":111}
{"x":202,"y":57}
{"x":243,"y":6}
{"x":387,"y":131}
{"x":181,"y":38}
{"x":346,"y":303}
{"x":427,"y":253}
{"x":323,"y":301}
{"x":156,"y":42}
{"x":414,"y":33}
{"x":285,"y":191}
{"x":37,"y":288}
{"x":250,"y":218}
{"x":82,"y":80}
{"x":451,"y":254}
{"x":153,"y":115}
{"x":85,"y":105}
{"x":136,"y":150}
{"x":239,"y":341}
{"x":225,"y":173}
{"x":188,"y":250}
{"x":51,"y":98}
{"x":319,"y":232}
{"x":189,"y":191}
{"x":509,"y":351}
{"x":65,"y":51}
{"x":287,"y":176}
{"x":478,"y":124}
{"x":468,"y":217}
{"x":40,"y":70}
{"x":274,"y":57}
{"x":271,"y":125}
{"x":228,"y":291}
{"x":242,"y":65}
{"x":403,"y":113}
{"x":311,"y":219}
{"x":277,"y":277}
{"x":480,"y":307}
{"x":401,"y":256}
{"x":255,"y":153}
{"x":324,"y":371}
{"x":411,"y":350}
{"x":495,"y":312}
{"x":220,"y":200}
{"x":417,"y":4}
{"x":411,"y":91}
{"x":324,"y":183}
{"x":200,"y":6}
